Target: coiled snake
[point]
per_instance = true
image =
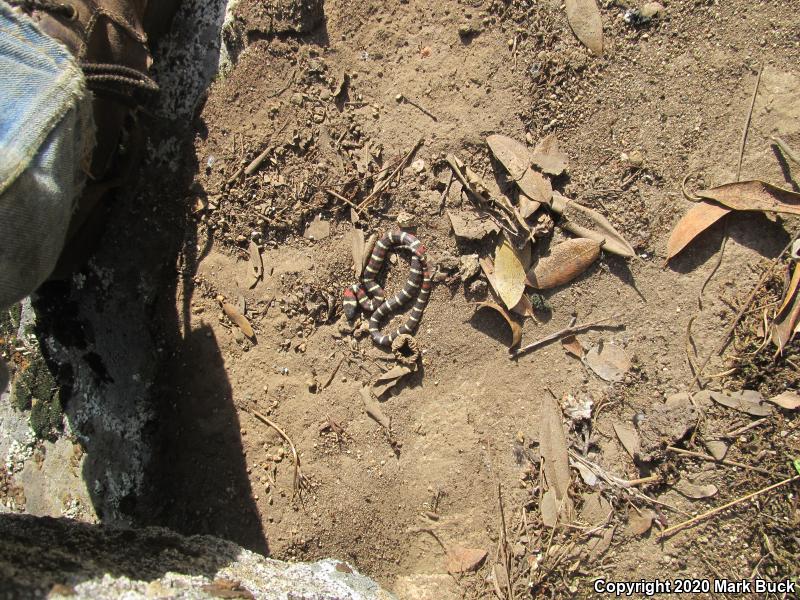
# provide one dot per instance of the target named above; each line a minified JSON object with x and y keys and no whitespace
{"x":370,"y":296}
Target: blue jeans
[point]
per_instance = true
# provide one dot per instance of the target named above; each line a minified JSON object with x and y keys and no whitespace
{"x":46,"y":136}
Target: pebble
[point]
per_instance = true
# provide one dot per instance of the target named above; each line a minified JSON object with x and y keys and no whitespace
{"x":418,"y":166}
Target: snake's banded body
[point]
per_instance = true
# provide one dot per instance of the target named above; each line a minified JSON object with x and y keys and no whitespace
{"x":370,"y":296}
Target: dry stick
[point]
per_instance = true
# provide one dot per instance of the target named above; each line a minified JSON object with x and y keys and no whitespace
{"x":724,"y":461}
{"x":745,"y":306}
{"x":741,"y":430}
{"x":253,"y":166}
{"x":376,"y":192}
{"x":333,"y":374}
{"x":786,"y":149}
{"x":418,"y":106}
{"x":572,"y":329}
{"x":299,"y":479}
{"x":345,"y":200}
{"x":670,"y":530}
{"x":747,"y":123}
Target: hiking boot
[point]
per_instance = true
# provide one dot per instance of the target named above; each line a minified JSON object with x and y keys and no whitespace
{"x":108,"y":38}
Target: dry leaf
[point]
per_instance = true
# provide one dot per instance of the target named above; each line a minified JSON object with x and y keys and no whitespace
{"x":553,"y":449}
{"x":566,"y":261}
{"x":584,"y":19}
{"x":789,"y":400}
{"x":746,"y":401}
{"x":238,"y":319}
{"x":462,"y":560}
{"x":572,"y":346}
{"x":357,"y":243}
{"x":516,"y":159}
{"x":783,"y":329}
{"x":697,"y":219}
{"x":587,"y":223}
{"x":791,"y":290}
{"x":549,"y":508}
{"x":500,"y":580}
{"x":526,"y":206}
{"x":516,"y":328}
{"x":639,"y":524}
{"x":317,"y":229}
{"x":373,"y":408}
{"x":694,"y":491}
{"x":548,"y":157}
{"x":256,"y":264}
{"x":608,"y":361}
{"x":509,"y":273}
{"x":754,"y":195}
{"x":523,"y":308}
{"x":598,"y":548}
{"x":469,"y":224}
{"x":628,"y":437}
{"x":388,"y":380}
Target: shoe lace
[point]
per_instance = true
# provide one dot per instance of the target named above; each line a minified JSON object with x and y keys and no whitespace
{"x":110,"y":79}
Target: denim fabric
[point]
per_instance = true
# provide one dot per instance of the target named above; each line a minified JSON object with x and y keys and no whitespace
{"x":46,"y":132}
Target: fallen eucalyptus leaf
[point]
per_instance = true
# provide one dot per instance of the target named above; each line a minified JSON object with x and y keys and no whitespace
{"x":516,"y":159}
{"x":608,"y":361}
{"x":639,"y":524}
{"x":696,"y":220}
{"x":553,"y":449}
{"x":523,"y":308}
{"x":357,"y":243}
{"x":785,"y":326}
{"x":595,"y":509}
{"x":694,"y":491}
{"x":565,"y":262}
{"x":746,"y":401}
{"x":388,"y":380}
{"x":791,"y":290}
{"x":572,"y":346}
{"x":603,"y":543}
{"x":516,"y":328}
{"x":373,"y":408}
{"x":584,"y":19}
{"x":462,"y":560}
{"x":754,"y":195}
{"x":628,"y":437}
{"x":238,"y":319}
{"x":509,"y":273}
{"x":587,"y":223}
{"x":789,"y":400}
{"x":256,"y":263}
{"x":548,"y":157}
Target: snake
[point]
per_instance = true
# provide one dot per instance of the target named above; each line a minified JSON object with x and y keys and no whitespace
{"x":371,"y":297}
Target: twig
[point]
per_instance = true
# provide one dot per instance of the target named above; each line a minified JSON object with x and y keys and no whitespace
{"x":572,"y":329}
{"x":786,"y":149}
{"x":723,"y":342}
{"x":333,"y":374}
{"x":253,"y":166}
{"x":670,"y":530}
{"x":416,"y":105}
{"x":741,"y":430}
{"x":724,"y":461}
{"x":345,"y":200}
{"x":380,"y":187}
{"x":747,"y":124}
{"x":300,"y":482}
{"x":443,"y":199}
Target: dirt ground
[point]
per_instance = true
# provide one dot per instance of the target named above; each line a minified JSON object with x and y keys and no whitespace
{"x":461,"y":465}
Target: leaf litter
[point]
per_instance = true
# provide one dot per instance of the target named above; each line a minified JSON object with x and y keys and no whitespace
{"x":556,"y":505}
{"x":608,"y":361}
{"x":746,"y":401}
{"x":565,"y":262}
{"x":586,"y":23}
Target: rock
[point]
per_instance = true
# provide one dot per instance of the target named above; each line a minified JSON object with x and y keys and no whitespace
{"x":468,"y":266}
{"x":664,"y":425}
{"x":76,"y":560}
{"x":418,"y":166}
{"x":405,"y":220}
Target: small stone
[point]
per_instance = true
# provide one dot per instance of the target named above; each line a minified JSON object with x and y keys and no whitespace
{"x":406,"y":220}
{"x":478,"y":287}
{"x":297,"y":98}
{"x":468,"y":266}
{"x":635,"y":159}
{"x":418,"y":166}
{"x":398,"y":98}
{"x":651,"y":10}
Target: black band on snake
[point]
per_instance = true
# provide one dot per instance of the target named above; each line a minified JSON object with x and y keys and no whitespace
{"x":371,"y":297}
